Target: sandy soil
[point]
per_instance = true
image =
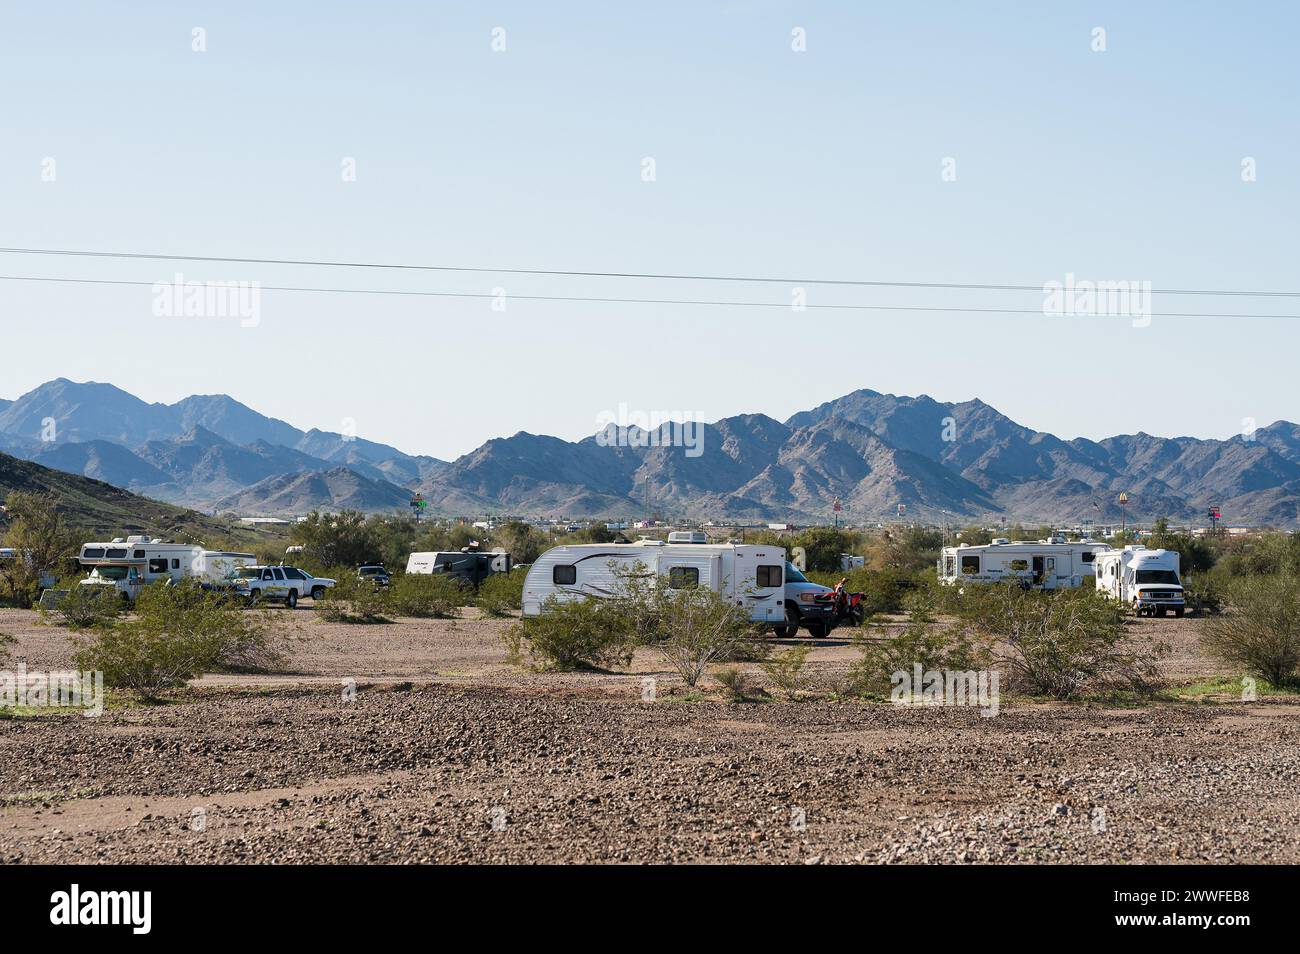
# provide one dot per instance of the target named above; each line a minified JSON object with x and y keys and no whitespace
{"x":447,"y":753}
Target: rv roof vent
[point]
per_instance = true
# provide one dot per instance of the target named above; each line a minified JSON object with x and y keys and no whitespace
{"x":999,"y":541}
{"x":647,"y":542}
{"x":688,"y":536}
{"x":117,"y":540}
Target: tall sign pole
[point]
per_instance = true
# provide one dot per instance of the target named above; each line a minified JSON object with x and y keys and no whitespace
{"x":1123,"y":505}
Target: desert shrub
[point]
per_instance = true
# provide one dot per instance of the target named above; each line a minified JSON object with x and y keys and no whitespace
{"x":1259,"y":629}
{"x":573,"y":634}
{"x":352,"y":601}
{"x":42,"y":541}
{"x":177,"y":633}
{"x":84,"y":607}
{"x":424,"y":595}
{"x":737,"y":685}
{"x":921,"y":642}
{"x":785,"y":669}
{"x":5,"y":640}
{"x":1203,"y":593}
{"x":694,"y":627}
{"x":501,"y":593}
{"x":1061,"y":644}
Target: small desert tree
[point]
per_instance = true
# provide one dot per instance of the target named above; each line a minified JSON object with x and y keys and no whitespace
{"x":42,"y":541}
{"x":1260,"y":630}
{"x":693,"y":627}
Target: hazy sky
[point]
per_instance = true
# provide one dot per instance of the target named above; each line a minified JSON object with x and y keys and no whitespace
{"x":1117,"y":165}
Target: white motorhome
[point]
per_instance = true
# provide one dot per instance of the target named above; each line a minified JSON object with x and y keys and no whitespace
{"x":1052,"y":564}
{"x":1145,"y":580}
{"x":753,"y":575}
{"x":127,"y":565}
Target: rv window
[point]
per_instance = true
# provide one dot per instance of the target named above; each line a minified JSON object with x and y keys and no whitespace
{"x":564,"y":575}
{"x":1019,"y":565}
{"x":116,"y":554}
{"x":970,"y":563}
{"x":768,"y":576}
{"x":176,"y":564}
{"x":1088,"y":556}
{"x":93,"y":553}
{"x":138,"y":555}
{"x":681,"y":577}
{"x":158,"y":565}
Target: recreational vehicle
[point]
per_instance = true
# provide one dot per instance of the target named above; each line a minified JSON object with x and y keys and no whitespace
{"x":1145,"y":580}
{"x":124,"y":566}
{"x":1045,"y":565}
{"x":470,"y":567}
{"x":758,"y":577}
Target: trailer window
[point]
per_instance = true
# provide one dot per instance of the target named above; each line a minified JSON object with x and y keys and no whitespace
{"x":768,"y":576}
{"x":1019,"y":565}
{"x":1088,"y":556}
{"x":682,"y":577}
{"x":176,"y":564}
{"x":970,"y":564}
{"x":565,"y":575}
{"x":158,"y":565}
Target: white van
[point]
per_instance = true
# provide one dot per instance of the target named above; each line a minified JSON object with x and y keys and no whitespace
{"x":1146,"y":581}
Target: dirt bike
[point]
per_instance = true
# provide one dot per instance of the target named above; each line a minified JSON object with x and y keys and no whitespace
{"x":847,"y":612}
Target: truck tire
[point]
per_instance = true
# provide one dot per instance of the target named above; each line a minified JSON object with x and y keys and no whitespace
{"x":317,"y":592}
{"x":291,"y":600}
{"x":791,"y":627}
{"x":818,"y":630}
{"x":1178,"y":612}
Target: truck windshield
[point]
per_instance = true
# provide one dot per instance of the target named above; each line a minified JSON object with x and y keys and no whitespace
{"x":1167,"y":577}
{"x":792,"y":574}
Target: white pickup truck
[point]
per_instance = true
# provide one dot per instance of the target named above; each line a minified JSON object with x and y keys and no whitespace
{"x":286,"y":584}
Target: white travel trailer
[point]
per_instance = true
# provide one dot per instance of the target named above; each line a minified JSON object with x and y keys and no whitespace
{"x":753,"y":575}
{"x":1043,"y":565}
{"x":1145,"y":580}
{"x":128,"y":565}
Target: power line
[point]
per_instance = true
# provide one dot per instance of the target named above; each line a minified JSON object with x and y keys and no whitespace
{"x":961,"y":286}
{"x":627,"y":301}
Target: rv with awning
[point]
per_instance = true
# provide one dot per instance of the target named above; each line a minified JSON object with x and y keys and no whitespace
{"x":1052,"y":564}
{"x":125,"y":566}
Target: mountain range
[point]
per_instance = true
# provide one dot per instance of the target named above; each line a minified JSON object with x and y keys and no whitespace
{"x":872,"y":451}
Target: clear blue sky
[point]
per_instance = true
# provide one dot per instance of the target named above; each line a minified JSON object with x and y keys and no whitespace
{"x":1117,"y":165}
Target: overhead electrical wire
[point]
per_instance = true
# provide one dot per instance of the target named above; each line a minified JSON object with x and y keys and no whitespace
{"x":632,"y":301}
{"x":573,"y":273}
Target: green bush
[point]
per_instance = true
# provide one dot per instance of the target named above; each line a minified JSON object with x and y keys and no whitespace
{"x":425,"y":595}
{"x":573,"y":634}
{"x":177,"y":633}
{"x":85,"y":607}
{"x":1259,"y":629}
{"x":1062,"y":643}
{"x":1203,"y":594}
{"x":785,"y":669}
{"x":738,"y":685}
{"x":921,"y":642}
{"x":352,"y":601}
{"x":502,"y":593}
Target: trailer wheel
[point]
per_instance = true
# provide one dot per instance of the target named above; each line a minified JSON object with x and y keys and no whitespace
{"x":291,"y":600}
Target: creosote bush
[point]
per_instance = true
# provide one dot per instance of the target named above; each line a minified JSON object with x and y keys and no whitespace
{"x":1259,"y":630}
{"x":176,"y":633}
{"x":573,"y":634}
{"x":785,"y":669}
{"x":351,"y":600}
{"x":953,"y":648}
{"x":502,"y":593}
{"x":85,"y":607}
{"x":425,"y":595}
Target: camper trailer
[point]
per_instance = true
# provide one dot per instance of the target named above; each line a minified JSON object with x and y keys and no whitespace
{"x":1145,"y":580}
{"x":757,"y":576}
{"x":1052,"y":564}
{"x":124,"y":566}
{"x":469,"y":567}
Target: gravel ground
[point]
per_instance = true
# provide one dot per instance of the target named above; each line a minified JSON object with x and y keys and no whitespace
{"x":448,"y":754}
